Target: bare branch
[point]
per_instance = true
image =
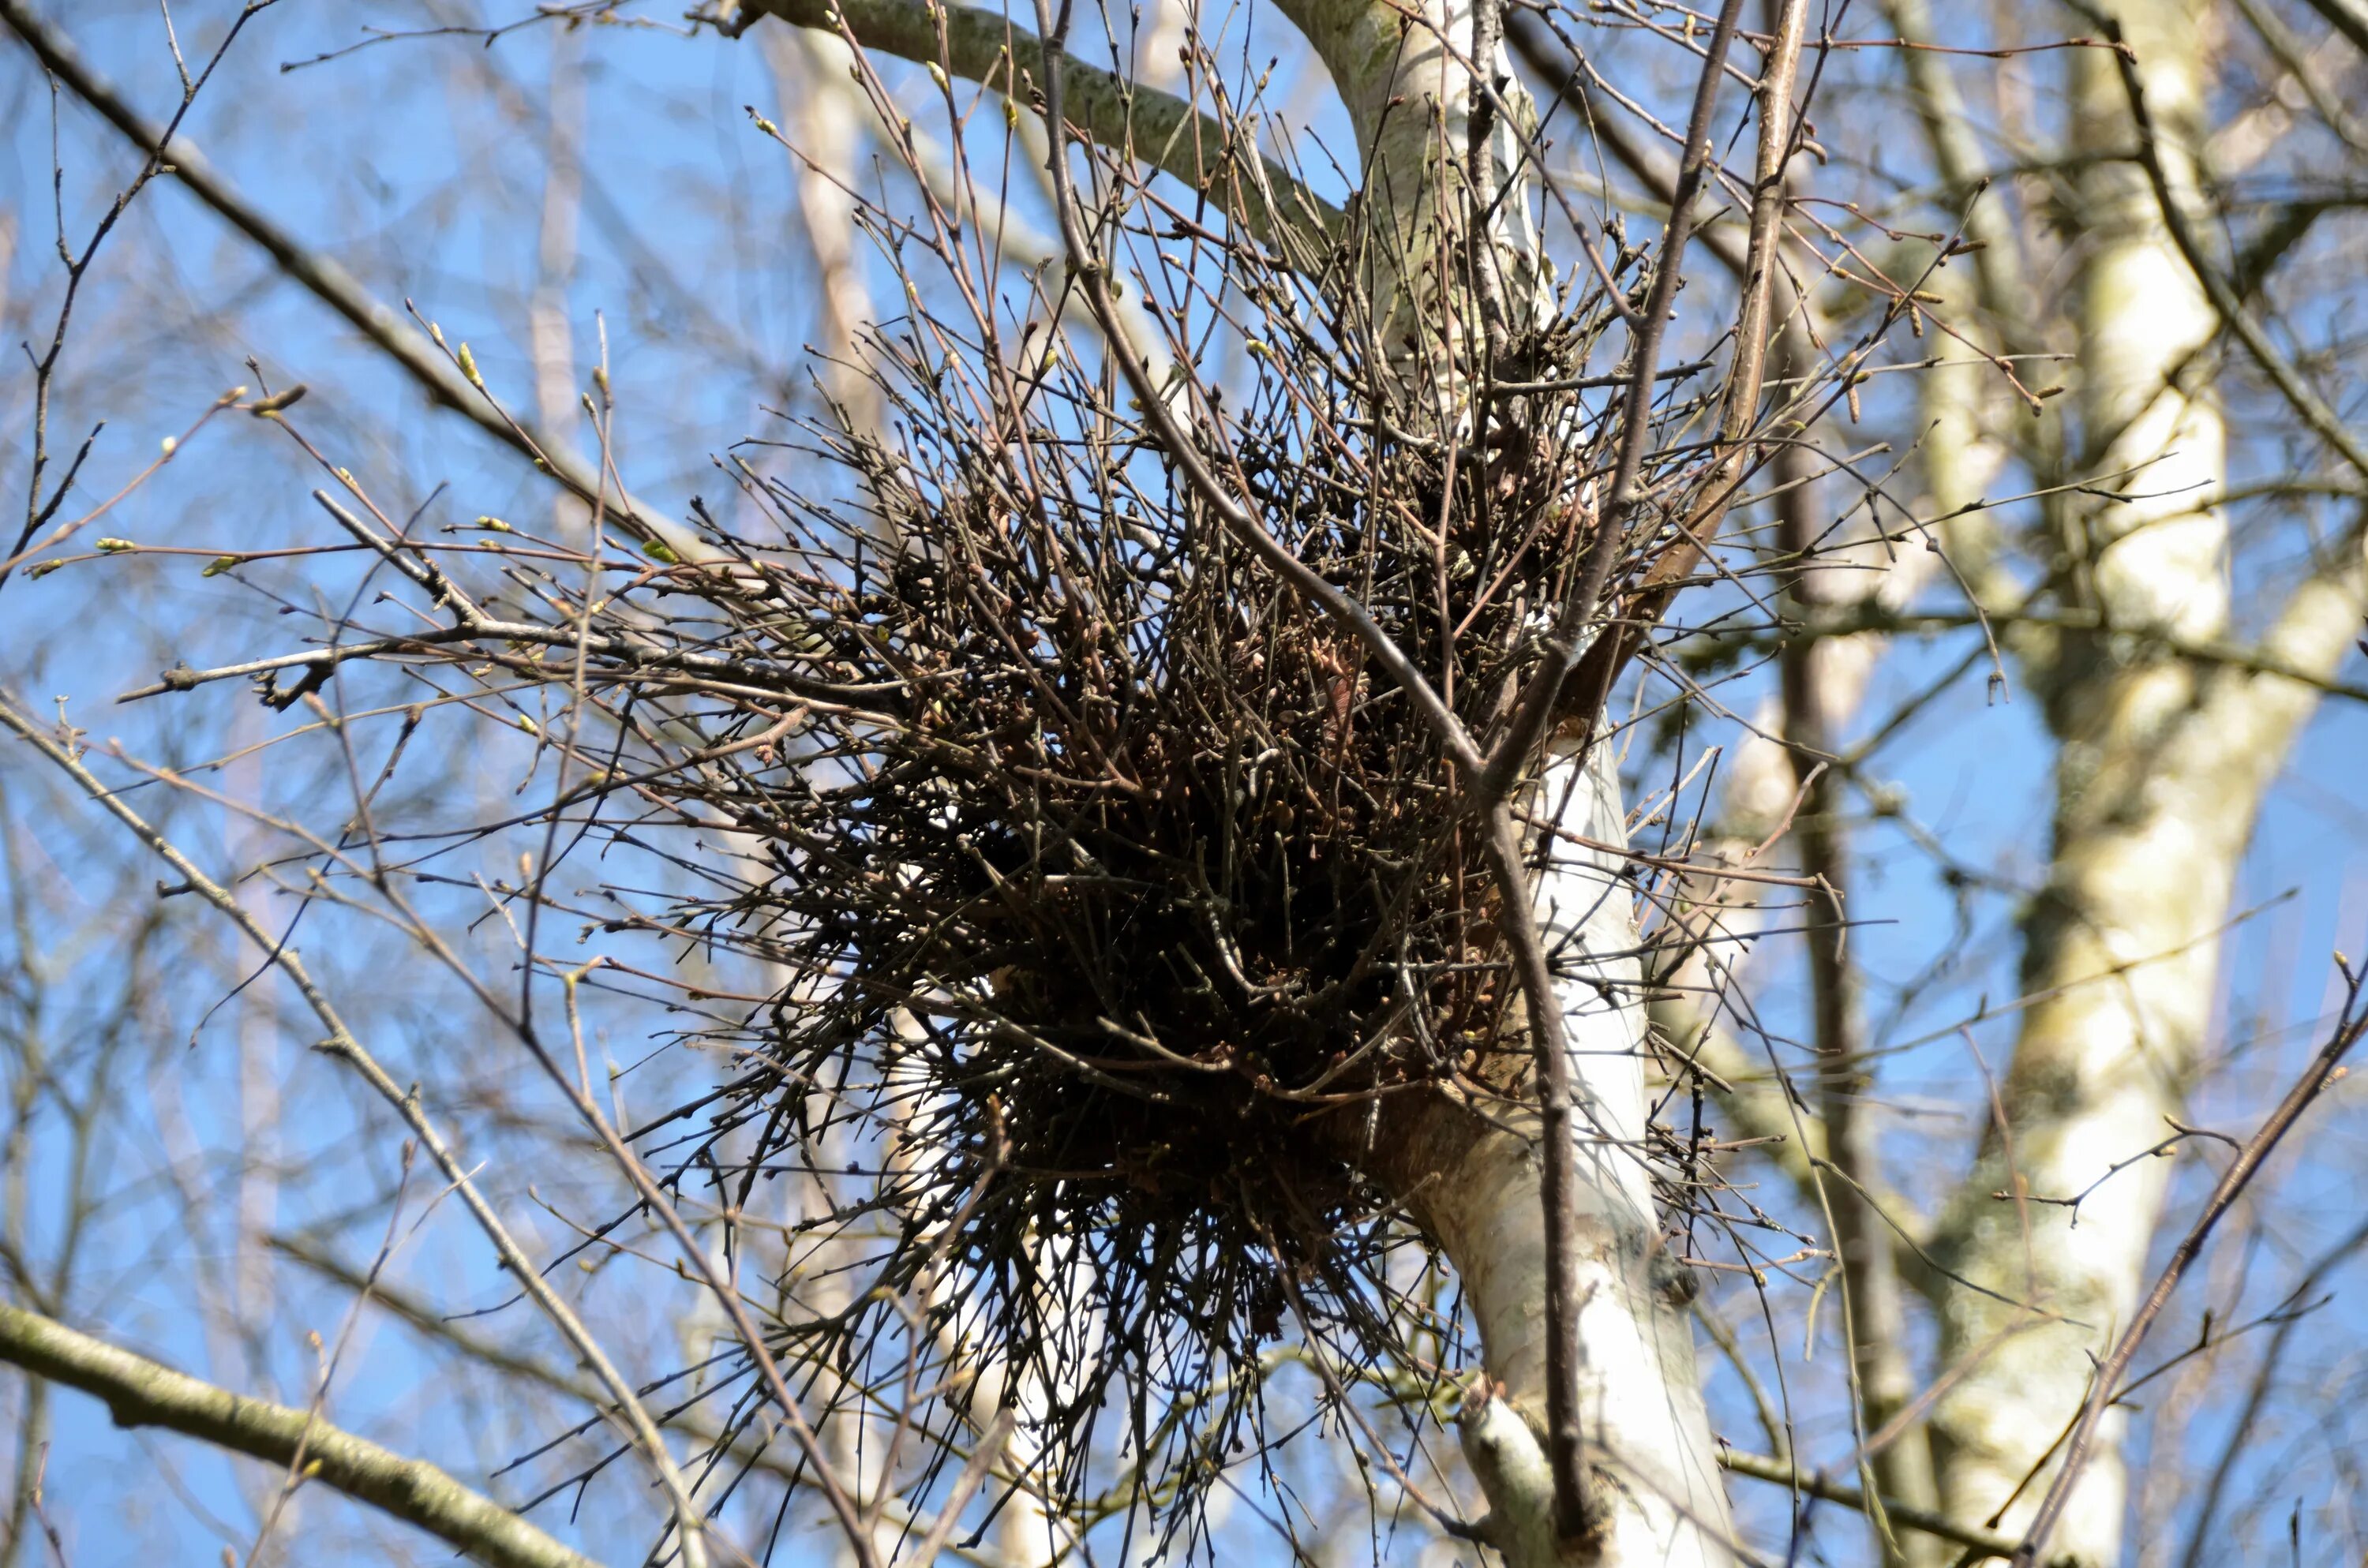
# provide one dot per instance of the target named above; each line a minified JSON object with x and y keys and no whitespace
{"x":2349,"y":17}
{"x":1138,"y":122}
{"x":2322,"y":1070}
{"x":1985,"y":1544}
{"x":342,"y":1045}
{"x":2312,"y":409}
{"x":141,"y":1392}
{"x":334,"y":286}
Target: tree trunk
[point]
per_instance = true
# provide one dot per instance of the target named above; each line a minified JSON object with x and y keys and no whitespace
{"x":1469,"y":1173}
{"x":1399,"y":70}
{"x":2163,"y":765}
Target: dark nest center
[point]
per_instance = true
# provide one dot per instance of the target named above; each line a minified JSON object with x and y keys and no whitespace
{"x":1114,"y":886}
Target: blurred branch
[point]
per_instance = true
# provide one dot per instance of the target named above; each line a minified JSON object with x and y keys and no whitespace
{"x":2297,"y":1309}
{"x":423,"y":1319}
{"x":1790,"y":1136}
{"x":1983,"y":1543}
{"x":141,"y":1392}
{"x":2349,"y":17}
{"x":1997,"y":245}
{"x":1867,"y":617}
{"x":2313,"y":410}
{"x":1819,"y":693}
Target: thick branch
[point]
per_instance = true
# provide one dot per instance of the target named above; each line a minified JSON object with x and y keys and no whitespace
{"x":1143,"y":122}
{"x":2265,"y":659}
{"x":141,"y":1392}
{"x":2349,"y":17}
{"x":342,"y":1045}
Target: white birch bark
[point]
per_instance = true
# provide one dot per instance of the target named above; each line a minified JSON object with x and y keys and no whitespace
{"x":2119,"y":950}
{"x":2125,"y":958}
{"x":1400,"y":72}
{"x":2163,"y":765}
{"x":1472,"y":1180}
{"x":550,"y":330}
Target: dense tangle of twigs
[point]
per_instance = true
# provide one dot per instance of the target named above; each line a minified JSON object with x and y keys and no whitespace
{"x":1104,"y":885}
{"x":1125,"y":885}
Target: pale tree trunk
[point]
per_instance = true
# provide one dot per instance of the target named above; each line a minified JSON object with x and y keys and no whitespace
{"x":1471,"y":1175}
{"x":550,"y":331}
{"x":1400,"y":72}
{"x":2162,"y":767}
{"x":2141,"y":869}
{"x":2121,"y":955}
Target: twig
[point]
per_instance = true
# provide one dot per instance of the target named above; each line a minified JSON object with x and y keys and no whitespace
{"x":2323,"y":421}
{"x":328,"y":282}
{"x":342,"y":1045}
{"x":1758,"y":1466}
{"x":2323,"y":1069}
{"x":980,"y":45}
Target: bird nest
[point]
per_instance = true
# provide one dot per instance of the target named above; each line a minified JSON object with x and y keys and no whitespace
{"x":1113,"y":885}
{"x":1105,"y":886}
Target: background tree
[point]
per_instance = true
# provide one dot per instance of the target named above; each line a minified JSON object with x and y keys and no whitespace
{"x":1058,"y":844}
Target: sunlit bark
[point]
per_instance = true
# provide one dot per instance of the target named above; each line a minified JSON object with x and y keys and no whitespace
{"x":1401,"y":71}
{"x":1473,"y":1179}
{"x":2162,"y":767}
{"x":1469,"y":1175}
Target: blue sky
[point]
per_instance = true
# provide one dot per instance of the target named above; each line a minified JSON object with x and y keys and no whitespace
{"x":420,"y":163}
